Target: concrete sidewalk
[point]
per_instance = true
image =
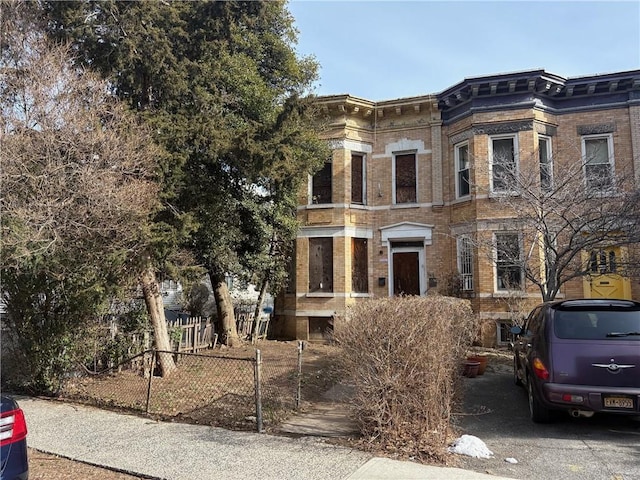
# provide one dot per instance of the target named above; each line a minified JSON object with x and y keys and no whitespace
{"x":176,"y":451}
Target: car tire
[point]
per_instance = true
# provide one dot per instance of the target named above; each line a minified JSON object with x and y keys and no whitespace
{"x":516,"y":379}
{"x":538,"y":412}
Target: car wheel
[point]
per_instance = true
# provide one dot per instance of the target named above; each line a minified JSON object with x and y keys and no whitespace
{"x":537,"y":412}
{"x":516,"y":378}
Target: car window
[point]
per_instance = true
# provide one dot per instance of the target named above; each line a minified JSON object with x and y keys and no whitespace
{"x":597,"y":324}
{"x":532,"y":325}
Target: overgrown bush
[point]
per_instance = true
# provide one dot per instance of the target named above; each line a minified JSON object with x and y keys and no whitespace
{"x":403,"y":355}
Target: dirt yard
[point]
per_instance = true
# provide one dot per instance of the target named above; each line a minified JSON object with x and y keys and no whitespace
{"x":318,"y":375}
{"x":43,"y":466}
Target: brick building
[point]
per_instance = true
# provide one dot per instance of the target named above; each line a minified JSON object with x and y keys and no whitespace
{"x":411,"y":186}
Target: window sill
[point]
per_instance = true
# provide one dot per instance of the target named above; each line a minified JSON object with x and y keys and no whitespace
{"x":404,"y":205}
{"x":509,"y":294}
{"x":359,"y":295}
{"x":315,"y":206}
{"x":493,"y":194}
{"x":465,"y":199}
{"x":320,"y":295}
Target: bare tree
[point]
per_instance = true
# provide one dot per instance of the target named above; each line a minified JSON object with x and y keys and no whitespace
{"x":562,"y":207}
{"x":77,"y":178}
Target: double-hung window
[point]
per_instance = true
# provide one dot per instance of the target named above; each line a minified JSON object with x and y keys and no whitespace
{"x":503,"y":151}
{"x":358,"y":178}
{"x":465,"y":262}
{"x":546,"y":163}
{"x":597,"y":151}
{"x":321,"y":184}
{"x":404,"y":171}
{"x":462,"y":170}
{"x":508,"y":261}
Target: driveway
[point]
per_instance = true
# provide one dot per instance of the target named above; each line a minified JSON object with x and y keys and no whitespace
{"x":605,"y":447}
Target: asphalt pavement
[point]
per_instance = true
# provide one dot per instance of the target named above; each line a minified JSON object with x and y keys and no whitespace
{"x":177,"y":451}
{"x":604,"y":447}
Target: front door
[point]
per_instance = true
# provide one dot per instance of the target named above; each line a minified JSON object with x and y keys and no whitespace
{"x":407,"y":269}
{"x":604,"y":280}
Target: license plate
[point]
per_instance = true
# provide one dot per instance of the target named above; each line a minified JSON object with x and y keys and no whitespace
{"x":618,"y":402}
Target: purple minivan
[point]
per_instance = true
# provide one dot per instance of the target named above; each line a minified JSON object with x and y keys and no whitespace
{"x":579,"y":356}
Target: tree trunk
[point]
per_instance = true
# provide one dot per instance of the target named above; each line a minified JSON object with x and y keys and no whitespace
{"x":153,"y":299}
{"x":226,"y":317}
{"x":257,"y":313}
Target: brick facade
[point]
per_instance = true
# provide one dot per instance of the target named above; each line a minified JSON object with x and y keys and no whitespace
{"x":414,"y":243}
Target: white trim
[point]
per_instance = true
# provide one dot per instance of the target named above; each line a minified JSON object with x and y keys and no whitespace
{"x":499,"y":340}
{"x":404,"y":145}
{"x":313,"y":313}
{"x":371,"y":208}
{"x":407,"y":231}
{"x":496,"y":290}
{"x":352,"y":145}
{"x":456,"y":154}
{"x":547,"y":140}
{"x":310,"y":185}
{"x":611,"y":158}
{"x":422,"y":266}
{"x":303,"y":295}
{"x":516,"y":159}
{"x":319,"y":295}
{"x":468,"y":284}
{"x":510,"y":294}
{"x":335,"y":231}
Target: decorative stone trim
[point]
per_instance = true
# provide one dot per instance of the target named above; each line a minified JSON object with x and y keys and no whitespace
{"x":499,"y":128}
{"x":596,"y":128}
{"x":461,"y":137}
{"x":348,"y":144}
{"x":405,"y":145}
{"x":544,"y":129}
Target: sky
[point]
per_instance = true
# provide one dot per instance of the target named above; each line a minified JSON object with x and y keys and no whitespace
{"x":382,"y":50}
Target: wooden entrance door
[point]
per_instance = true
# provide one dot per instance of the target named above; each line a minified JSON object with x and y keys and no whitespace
{"x":406,"y":273}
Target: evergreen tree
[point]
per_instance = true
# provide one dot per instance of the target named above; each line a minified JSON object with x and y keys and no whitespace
{"x":224,"y":91}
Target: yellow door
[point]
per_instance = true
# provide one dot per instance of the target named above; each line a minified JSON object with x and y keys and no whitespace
{"x":604,"y":280}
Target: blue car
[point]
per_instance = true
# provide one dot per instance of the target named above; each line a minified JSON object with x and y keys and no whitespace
{"x":13,"y":441}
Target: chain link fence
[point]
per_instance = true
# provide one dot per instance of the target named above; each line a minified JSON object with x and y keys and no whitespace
{"x":238,"y":393}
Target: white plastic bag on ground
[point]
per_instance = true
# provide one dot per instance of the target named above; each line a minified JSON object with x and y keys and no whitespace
{"x":470,"y":446}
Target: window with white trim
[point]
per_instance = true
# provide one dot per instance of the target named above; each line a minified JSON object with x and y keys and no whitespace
{"x":503,"y":152}
{"x":465,"y":262}
{"x":504,"y":331}
{"x":321,"y":184}
{"x":509,"y":270}
{"x":597,"y":152}
{"x":404,"y":176}
{"x":462,"y":170}
{"x":546,"y":163}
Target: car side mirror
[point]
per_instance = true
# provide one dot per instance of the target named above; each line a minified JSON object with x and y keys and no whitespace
{"x":516,"y":330}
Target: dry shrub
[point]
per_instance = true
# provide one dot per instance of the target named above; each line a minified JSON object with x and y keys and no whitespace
{"x":403,"y":356}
